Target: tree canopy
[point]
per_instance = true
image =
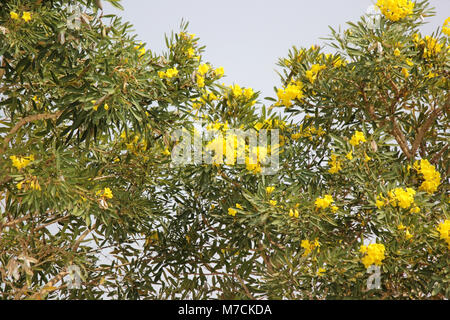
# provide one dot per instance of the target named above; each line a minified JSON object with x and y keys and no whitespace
{"x":87,"y":178}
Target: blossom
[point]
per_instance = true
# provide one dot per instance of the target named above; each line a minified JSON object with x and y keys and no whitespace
{"x":349,"y":156}
{"x":294,"y":90}
{"x":172,"y":72}
{"x":14,"y":15}
{"x":323,"y":203}
{"x":446,"y":27}
{"x":269,"y":190}
{"x":312,"y":73}
{"x":219,"y":72}
{"x":335,"y":165}
{"x":444,"y":231}
{"x":238,"y":206}
{"x":309,"y":246}
{"x":26,"y":16}
{"x":374,"y":253}
{"x":395,"y":10}
{"x":431,"y":46}
{"x":402,"y":198}
{"x":405,"y":72}
{"x":106,"y":193}
{"x":293,"y":213}
{"x":320,"y":272}
{"x":357,"y":137}
{"x":232,"y":212}
{"x":396,"y":52}
{"x":203,"y":68}
{"x":21,"y":162}
{"x":200,"y":81}
{"x":273,"y":202}
{"x":106,"y":107}
{"x":432,"y":178}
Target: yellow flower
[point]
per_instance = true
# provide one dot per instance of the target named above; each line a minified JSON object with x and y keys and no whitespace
{"x":323,"y":203}
{"x":446,"y":27}
{"x":238,"y":206}
{"x":401,"y":227}
{"x":405,"y":72}
{"x":26,"y":16}
{"x":374,"y":253}
{"x":334,"y":208}
{"x":349,"y":156}
{"x":320,"y":272}
{"x":107,"y":193}
{"x":248,"y":93}
{"x":21,"y":162}
{"x":237,"y":90}
{"x":219,"y":72}
{"x":294,"y":90}
{"x":402,"y":198}
{"x":309,"y":246}
{"x":190,"y":52}
{"x":396,"y":10}
{"x":200,"y":81}
{"x":203,"y":69}
{"x":367,"y":158}
{"x":106,"y":107}
{"x":269,"y":190}
{"x":273,"y":202}
{"x":432,"y":178}
{"x":357,"y":137}
{"x":409,"y":62}
{"x":232,"y":212}
{"x":14,"y":15}
{"x":335,"y":165}
{"x":444,"y":231}
{"x":312,"y":73}
{"x":396,"y":52}
{"x":161,"y":74}
{"x":172,"y":72}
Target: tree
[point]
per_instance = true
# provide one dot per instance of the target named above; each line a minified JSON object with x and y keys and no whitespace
{"x":88,"y":182}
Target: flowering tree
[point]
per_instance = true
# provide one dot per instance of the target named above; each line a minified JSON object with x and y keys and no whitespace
{"x":89,"y":190}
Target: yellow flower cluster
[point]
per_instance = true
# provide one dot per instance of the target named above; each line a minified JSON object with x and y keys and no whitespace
{"x":232,"y":212}
{"x":432,"y":178}
{"x":395,"y":10}
{"x":373,"y":254}
{"x":402,"y":198}
{"x":310,"y":246}
{"x":293,"y":213}
{"x":335,"y":164}
{"x":357,"y":138}
{"x":444,"y":230}
{"x":134,"y":145}
{"x":238,"y":92}
{"x":140,"y":48}
{"x":309,"y":133}
{"x":323,"y":203}
{"x":432,"y":47}
{"x":21,"y":162}
{"x":207,"y":96}
{"x":446,"y":27}
{"x":31,"y":183}
{"x":106,"y":193}
{"x":312,"y":73}
{"x":294,"y":90}
{"x":26,"y":16}
{"x":408,"y":235}
{"x":170,"y":73}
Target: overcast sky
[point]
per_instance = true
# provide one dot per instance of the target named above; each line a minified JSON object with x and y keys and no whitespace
{"x":247,"y":37}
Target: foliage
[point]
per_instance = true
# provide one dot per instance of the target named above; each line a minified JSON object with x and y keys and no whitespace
{"x":86,"y":175}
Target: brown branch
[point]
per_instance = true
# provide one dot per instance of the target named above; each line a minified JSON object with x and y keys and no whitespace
{"x":23,"y":121}
{"x":424,"y":128}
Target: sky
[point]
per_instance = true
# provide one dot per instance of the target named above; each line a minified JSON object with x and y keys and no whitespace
{"x":247,"y":37}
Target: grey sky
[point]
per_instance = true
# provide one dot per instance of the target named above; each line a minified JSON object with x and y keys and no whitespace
{"x":247,"y":37}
